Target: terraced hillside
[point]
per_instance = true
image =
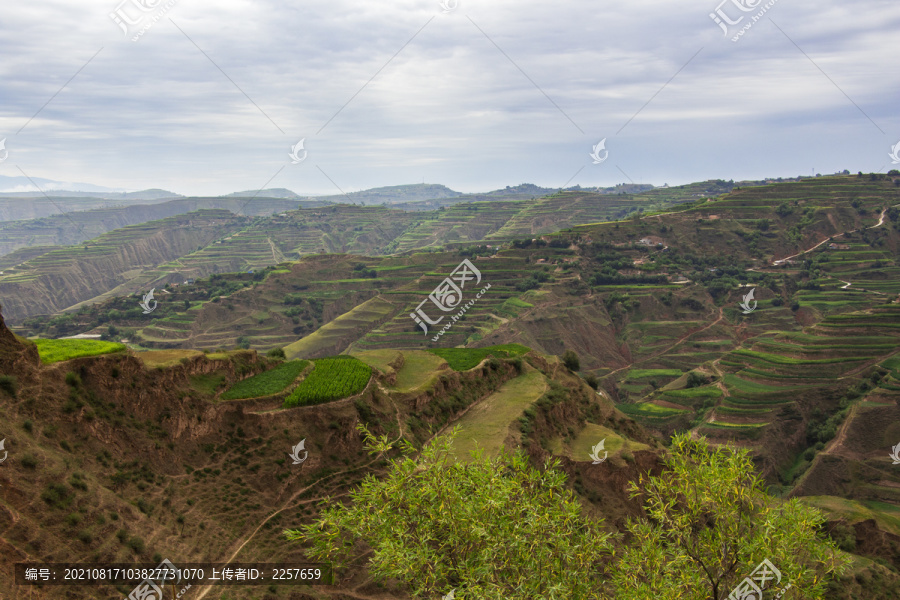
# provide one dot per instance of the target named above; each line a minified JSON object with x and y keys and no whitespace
{"x":72,"y":228}
{"x":65,"y":276}
{"x":189,"y":452}
{"x":769,"y":222}
{"x":650,"y":306}
{"x":289,"y":235}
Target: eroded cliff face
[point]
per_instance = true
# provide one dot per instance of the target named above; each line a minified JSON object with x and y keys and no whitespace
{"x":17,"y":356}
{"x":69,"y":281}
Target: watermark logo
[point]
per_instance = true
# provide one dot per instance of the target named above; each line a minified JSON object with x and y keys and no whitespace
{"x":447,"y":297}
{"x":151,"y":588}
{"x":595,"y":153}
{"x":595,"y":452}
{"x":722,"y":18}
{"x":145,"y":303}
{"x":451,"y":595}
{"x":895,"y":453}
{"x":746,"y":303}
{"x":448,"y":5}
{"x":4,"y":153}
{"x":296,"y":158}
{"x":5,"y":452}
{"x":895,"y":154}
{"x":295,"y":452}
{"x":751,"y":588}
{"x":139,"y":14}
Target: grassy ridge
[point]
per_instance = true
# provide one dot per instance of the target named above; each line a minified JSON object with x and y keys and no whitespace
{"x":267,"y":383}
{"x":463,"y":359}
{"x":52,"y":351}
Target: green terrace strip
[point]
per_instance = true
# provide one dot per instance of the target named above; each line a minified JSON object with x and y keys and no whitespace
{"x":649,"y":410}
{"x":52,"y":351}
{"x":786,"y":360}
{"x":463,"y":359}
{"x":735,"y":383}
{"x":644,"y":373}
{"x":700,"y":392}
{"x":267,"y":383}
{"x":331,"y":379}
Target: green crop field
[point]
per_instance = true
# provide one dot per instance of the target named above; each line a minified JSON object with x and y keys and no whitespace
{"x":331,"y":379}
{"x":647,"y":409}
{"x":52,"y":351}
{"x":752,"y":387}
{"x":787,"y":360}
{"x":267,"y":383}
{"x":463,"y":359}
{"x":698,"y":392}
{"x":645,"y":373}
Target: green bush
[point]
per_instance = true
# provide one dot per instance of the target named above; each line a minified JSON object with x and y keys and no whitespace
{"x":276,"y":353}
{"x":695,"y":379}
{"x":8,"y":384}
{"x":136,"y":544}
{"x":29,"y":461}
{"x":56,"y":495}
{"x":571,"y":361}
{"x":73,"y":379}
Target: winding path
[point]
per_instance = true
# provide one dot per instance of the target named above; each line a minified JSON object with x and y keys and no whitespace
{"x":787,"y":258}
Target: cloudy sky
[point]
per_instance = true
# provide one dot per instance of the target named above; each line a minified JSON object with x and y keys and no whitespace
{"x":210,"y":97}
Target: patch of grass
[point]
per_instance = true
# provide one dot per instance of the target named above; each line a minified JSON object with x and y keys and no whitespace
{"x":581,"y":447}
{"x":419,"y":368}
{"x":267,"y":383}
{"x":166,"y":358}
{"x":331,"y":379}
{"x":463,"y":359}
{"x":487,"y":424}
{"x":886,"y":515}
{"x":379,"y":359}
{"x":207,"y":383}
{"x":52,"y":351}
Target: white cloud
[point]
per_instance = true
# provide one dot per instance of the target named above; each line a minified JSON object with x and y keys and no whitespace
{"x":450,"y":107}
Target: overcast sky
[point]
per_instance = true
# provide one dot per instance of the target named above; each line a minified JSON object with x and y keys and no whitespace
{"x":212,"y":97}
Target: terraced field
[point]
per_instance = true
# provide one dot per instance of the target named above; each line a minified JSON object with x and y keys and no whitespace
{"x":52,"y":351}
{"x":772,"y":373}
{"x":488,"y":423}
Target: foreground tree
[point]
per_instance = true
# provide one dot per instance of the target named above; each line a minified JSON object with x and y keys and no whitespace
{"x":711,"y":524}
{"x":500,"y":529}
{"x":489,"y":529}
